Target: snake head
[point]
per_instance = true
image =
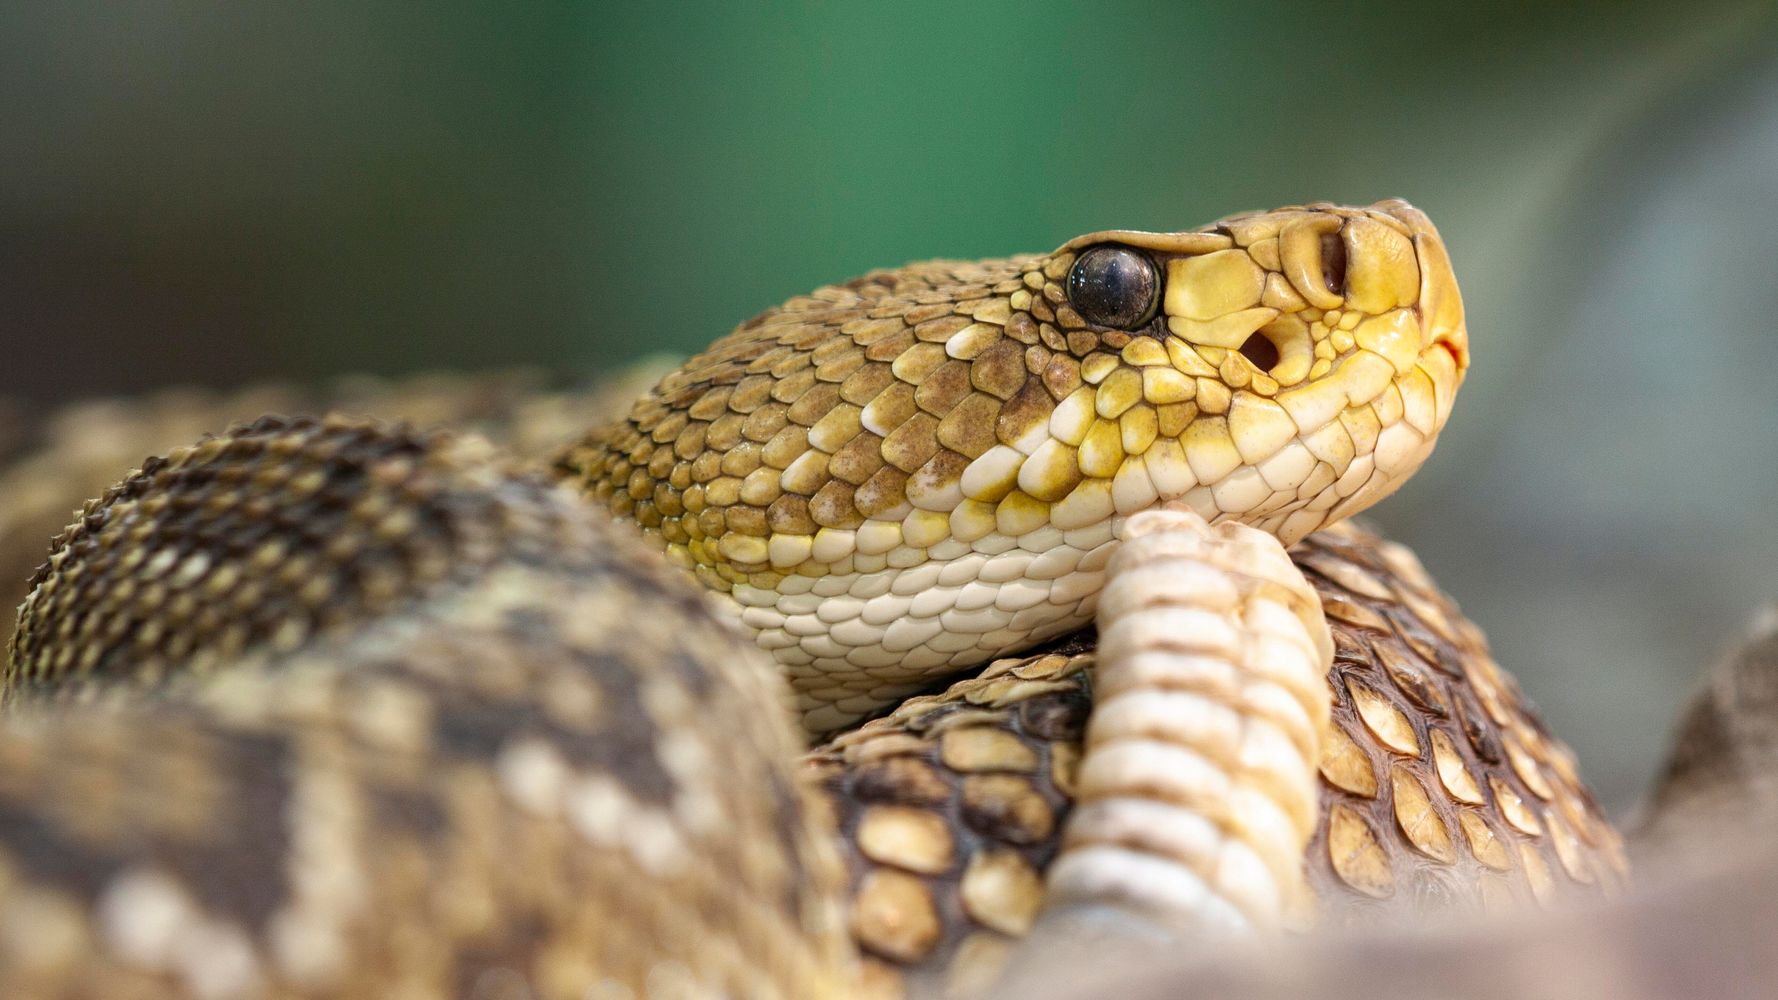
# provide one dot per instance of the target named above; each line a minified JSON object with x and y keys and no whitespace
{"x":927,"y":466}
{"x":1286,"y":368}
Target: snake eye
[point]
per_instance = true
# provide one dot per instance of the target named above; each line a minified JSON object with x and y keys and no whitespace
{"x":1114,"y":286}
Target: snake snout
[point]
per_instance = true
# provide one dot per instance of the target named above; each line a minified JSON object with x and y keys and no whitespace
{"x":1440,"y":304}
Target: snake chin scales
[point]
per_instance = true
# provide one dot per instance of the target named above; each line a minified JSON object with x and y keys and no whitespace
{"x":914,"y":471}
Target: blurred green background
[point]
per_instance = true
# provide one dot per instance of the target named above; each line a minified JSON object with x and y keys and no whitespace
{"x":194,"y":192}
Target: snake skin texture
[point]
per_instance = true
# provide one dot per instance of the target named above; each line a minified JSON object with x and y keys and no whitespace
{"x":52,"y":464}
{"x":463,"y":724}
{"x":496,"y":752}
{"x":1697,"y":922}
{"x":950,"y":806}
{"x":1442,"y":790}
{"x":1196,"y":795}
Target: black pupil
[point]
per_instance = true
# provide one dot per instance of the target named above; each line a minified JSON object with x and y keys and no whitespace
{"x":1113,"y":286}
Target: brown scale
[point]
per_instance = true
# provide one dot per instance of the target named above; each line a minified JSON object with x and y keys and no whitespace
{"x":258,"y":537}
{"x":712,"y":452}
{"x":1440,"y":785}
{"x":49,"y":467}
{"x":480,"y":744}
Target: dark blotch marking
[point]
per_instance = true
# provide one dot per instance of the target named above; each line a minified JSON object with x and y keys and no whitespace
{"x":1061,"y":715}
{"x":49,"y":855}
{"x":236,"y":871}
{"x":416,"y":810}
{"x":240,"y":872}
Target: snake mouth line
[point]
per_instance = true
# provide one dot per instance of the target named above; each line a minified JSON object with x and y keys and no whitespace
{"x":1459,"y":355}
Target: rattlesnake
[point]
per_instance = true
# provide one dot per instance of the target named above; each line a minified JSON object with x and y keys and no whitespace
{"x":423,"y":720}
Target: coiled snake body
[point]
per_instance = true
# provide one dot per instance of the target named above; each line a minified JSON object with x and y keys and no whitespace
{"x":422,"y":722}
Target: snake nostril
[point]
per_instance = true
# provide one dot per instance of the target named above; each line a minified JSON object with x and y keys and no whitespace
{"x":1260,"y":350}
{"x":1333,"y":262}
